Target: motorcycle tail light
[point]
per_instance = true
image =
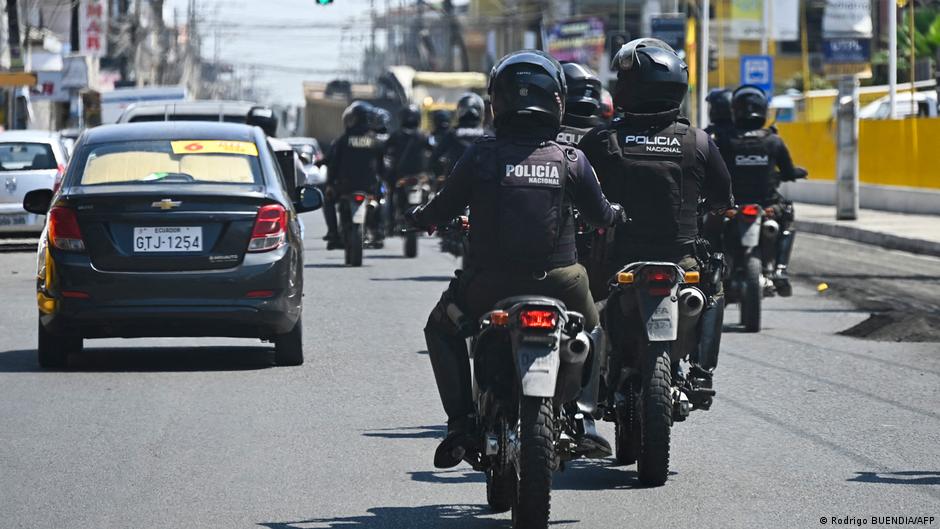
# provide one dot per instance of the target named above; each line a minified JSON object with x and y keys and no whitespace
{"x":270,"y":230}
{"x":538,"y":319}
{"x":64,"y":232}
{"x":659,"y":280}
{"x":359,"y":198}
{"x":751,"y":211}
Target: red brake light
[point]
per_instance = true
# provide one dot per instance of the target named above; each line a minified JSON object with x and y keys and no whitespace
{"x":538,"y":319}
{"x":750,"y":210}
{"x":660,"y":280}
{"x":64,"y":233}
{"x":58,"y":179}
{"x":270,"y":229}
{"x":359,"y":197}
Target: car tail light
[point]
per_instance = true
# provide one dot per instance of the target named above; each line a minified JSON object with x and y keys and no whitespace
{"x":255,"y":294}
{"x":270,"y":229}
{"x":659,"y":280}
{"x":359,"y":198}
{"x":75,"y":294}
{"x":538,"y":319}
{"x":57,"y":183}
{"x":64,"y":233}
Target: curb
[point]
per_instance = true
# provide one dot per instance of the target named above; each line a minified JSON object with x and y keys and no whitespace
{"x":884,"y":240}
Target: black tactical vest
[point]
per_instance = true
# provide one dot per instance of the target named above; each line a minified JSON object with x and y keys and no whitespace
{"x":572,"y":135}
{"x":750,"y":160}
{"x":659,"y":182}
{"x":358,"y":167}
{"x":521,"y":218}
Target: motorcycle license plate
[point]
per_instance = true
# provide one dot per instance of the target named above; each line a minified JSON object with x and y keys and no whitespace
{"x":416,"y":197}
{"x":359,"y":214}
{"x":168,"y":239}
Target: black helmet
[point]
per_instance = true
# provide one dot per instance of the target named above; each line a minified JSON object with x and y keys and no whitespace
{"x":528,"y":83}
{"x":650,"y":77}
{"x":470,"y":108}
{"x":441,"y":119}
{"x":409,"y":117}
{"x":584,"y":90}
{"x":719,"y":106}
{"x":356,"y":115}
{"x":379,"y":120}
{"x":749,"y":107}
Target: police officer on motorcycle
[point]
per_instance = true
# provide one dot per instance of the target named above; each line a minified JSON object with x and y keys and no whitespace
{"x":582,"y":105}
{"x":470,"y":108}
{"x":759,"y":160}
{"x":720,"y":122}
{"x":406,"y":154}
{"x":440,"y":126}
{"x":521,"y":187}
{"x":354,"y":163}
{"x":660,"y":168}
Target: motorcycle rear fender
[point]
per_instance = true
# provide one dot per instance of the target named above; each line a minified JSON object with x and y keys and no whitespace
{"x":537,"y":364}
{"x":749,"y":233}
{"x":660,"y":314}
{"x":358,"y":212}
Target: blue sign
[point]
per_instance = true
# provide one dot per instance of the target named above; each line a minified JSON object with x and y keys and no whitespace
{"x":847,"y":51}
{"x":758,"y":70}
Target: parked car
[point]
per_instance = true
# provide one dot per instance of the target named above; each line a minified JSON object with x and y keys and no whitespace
{"x":206,"y":110}
{"x":925,"y":105}
{"x":29,"y":159}
{"x":171,"y":229}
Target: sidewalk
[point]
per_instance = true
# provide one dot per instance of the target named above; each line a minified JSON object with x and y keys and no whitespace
{"x":896,"y":231}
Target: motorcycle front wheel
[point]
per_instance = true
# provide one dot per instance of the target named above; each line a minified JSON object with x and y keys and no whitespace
{"x":411,"y":245}
{"x":655,"y":414}
{"x":536,"y":464}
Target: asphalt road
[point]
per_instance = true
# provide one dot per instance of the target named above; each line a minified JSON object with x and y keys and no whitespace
{"x":204,"y":433}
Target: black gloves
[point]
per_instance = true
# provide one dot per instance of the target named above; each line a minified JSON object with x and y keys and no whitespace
{"x":620,"y":215}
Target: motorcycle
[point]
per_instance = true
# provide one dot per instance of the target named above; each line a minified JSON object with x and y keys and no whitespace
{"x":411,"y":191}
{"x":750,"y":242}
{"x":528,"y":359}
{"x":357,"y":209}
{"x":652,"y":316}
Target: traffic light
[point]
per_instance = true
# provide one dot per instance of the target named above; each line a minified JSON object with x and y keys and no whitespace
{"x":712,"y":57}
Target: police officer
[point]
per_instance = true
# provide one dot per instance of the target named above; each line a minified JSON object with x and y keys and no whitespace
{"x":582,"y":105}
{"x":720,"y":122}
{"x":440,"y":125}
{"x":660,"y":168}
{"x":470,"y":108}
{"x":754,"y":155}
{"x":520,"y":186}
{"x":354,"y":163}
{"x":407,"y":154}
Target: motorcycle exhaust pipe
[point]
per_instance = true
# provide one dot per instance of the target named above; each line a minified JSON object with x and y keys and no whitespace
{"x":770,"y":228}
{"x":575,"y":350}
{"x":691,"y":302}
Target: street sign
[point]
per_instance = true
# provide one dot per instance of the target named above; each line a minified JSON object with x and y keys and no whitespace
{"x":14,"y":79}
{"x":670,"y":29}
{"x":843,"y":51}
{"x":758,"y":70}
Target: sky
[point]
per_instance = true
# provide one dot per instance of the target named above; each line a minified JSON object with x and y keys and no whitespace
{"x":289,"y":34}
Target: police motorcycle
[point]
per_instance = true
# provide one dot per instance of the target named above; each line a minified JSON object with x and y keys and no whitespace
{"x":528,"y":358}
{"x":660,"y":305}
{"x":410,"y":191}
{"x":358,"y":211}
{"x":750,"y":235}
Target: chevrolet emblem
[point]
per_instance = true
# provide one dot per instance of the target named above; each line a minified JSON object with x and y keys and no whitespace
{"x":166,"y":204}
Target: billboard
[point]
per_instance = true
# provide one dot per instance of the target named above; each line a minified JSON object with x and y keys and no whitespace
{"x":579,"y":40}
{"x":847,"y":19}
{"x":93,"y":27}
{"x":747,"y":19}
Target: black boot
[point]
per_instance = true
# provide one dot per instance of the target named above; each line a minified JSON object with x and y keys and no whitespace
{"x":592,"y":444}
{"x":451,"y":365}
{"x":784,"y":250}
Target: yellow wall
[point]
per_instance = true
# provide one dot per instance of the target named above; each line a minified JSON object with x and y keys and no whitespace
{"x":899,"y":152}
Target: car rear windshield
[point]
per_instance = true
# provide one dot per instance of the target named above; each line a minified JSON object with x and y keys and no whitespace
{"x":162,"y":161}
{"x":21,"y":156}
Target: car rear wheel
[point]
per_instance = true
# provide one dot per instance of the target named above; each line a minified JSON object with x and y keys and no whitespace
{"x":289,"y":348}
{"x":54,"y":349}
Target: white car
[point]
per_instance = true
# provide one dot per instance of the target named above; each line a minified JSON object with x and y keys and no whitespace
{"x":29,"y":159}
{"x":925,"y":105}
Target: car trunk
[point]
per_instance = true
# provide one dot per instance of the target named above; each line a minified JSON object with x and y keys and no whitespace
{"x":158,"y":228}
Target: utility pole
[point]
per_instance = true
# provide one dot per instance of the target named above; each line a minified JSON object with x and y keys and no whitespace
{"x":74,"y":33}
{"x":16,"y":50}
{"x":892,"y":58}
{"x":703,"y":66}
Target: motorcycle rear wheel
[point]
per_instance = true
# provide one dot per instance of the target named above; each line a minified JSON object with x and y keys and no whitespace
{"x":655,"y":416}
{"x":536,"y":464}
{"x":411,"y":245}
{"x":752,"y":295}
{"x":354,"y":244}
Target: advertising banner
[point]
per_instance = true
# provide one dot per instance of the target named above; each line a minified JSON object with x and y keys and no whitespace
{"x":847,"y":19}
{"x":581,"y":40}
{"x":747,"y":19}
{"x":93,"y":27}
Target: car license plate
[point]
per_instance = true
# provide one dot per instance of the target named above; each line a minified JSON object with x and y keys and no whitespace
{"x":168,"y":239}
{"x":18,"y":219}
